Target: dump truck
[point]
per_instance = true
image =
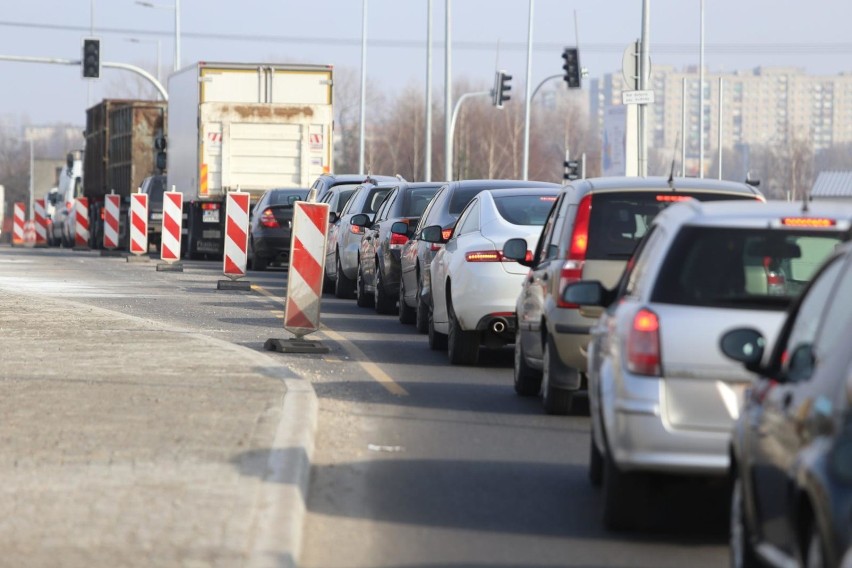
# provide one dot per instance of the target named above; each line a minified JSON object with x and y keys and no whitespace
{"x":122,"y":138}
{"x":246,"y":127}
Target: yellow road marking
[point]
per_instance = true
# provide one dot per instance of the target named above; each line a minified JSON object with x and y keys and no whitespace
{"x":373,"y":370}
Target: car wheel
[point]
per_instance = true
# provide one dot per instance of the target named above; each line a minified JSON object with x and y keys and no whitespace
{"x":596,"y":463}
{"x":407,"y":314}
{"x":257,"y":263}
{"x":384,"y":302}
{"x":622,"y":494}
{"x":741,"y":546}
{"x":555,"y":400}
{"x":363,"y":299}
{"x":422,"y":315}
{"x":527,"y":379}
{"x":815,"y":554}
{"x":327,"y":284}
{"x":343,"y":287}
{"x":437,"y":340}
{"x":462,"y":345}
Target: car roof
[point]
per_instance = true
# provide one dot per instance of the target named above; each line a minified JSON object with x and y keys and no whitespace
{"x":509,"y":191}
{"x":499,"y":183}
{"x":746,"y":213}
{"x":663,"y":184}
{"x":358,"y":178}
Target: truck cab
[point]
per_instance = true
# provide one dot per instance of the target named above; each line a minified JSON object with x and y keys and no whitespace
{"x":70,"y":187}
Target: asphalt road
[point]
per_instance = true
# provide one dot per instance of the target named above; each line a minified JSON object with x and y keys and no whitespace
{"x":417,"y":463}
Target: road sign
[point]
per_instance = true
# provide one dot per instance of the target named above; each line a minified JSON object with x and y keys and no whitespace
{"x":139,"y":223}
{"x":630,"y":66}
{"x":637,"y":97}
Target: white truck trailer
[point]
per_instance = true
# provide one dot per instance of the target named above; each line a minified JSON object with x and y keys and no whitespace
{"x":251,"y":127}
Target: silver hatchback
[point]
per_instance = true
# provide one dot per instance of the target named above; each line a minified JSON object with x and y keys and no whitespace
{"x":663,"y":397}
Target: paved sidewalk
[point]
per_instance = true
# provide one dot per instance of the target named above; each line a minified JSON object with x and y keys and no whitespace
{"x":128,"y":443}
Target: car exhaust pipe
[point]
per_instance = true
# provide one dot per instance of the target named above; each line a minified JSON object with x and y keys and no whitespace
{"x":498,"y":325}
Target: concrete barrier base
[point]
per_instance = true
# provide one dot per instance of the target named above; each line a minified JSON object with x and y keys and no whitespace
{"x":138,"y":258}
{"x":112,"y":253}
{"x":293,"y":345}
{"x":166,"y":267}
{"x":240,"y":285}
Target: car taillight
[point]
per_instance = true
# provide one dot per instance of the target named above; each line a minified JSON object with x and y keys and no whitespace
{"x":572,"y":270}
{"x":267,"y":219}
{"x":446,"y":234}
{"x":209,"y":206}
{"x":484,"y":256}
{"x":69,"y":206}
{"x":398,"y":239}
{"x":643,"y":345}
{"x":357,"y":230}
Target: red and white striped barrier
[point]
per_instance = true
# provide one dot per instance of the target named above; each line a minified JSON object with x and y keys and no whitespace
{"x":139,"y":223}
{"x":19,"y":218}
{"x":307,"y":256}
{"x":40,"y":218}
{"x":81,"y":222}
{"x":172,"y":222}
{"x":112,"y":206}
{"x":236,"y":235}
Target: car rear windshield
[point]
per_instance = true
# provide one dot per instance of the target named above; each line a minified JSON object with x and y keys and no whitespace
{"x":375,"y":196}
{"x":461,"y":197}
{"x":619,"y":220}
{"x":287,"y":197}
{"x":156,"y":187}
{"x":418,"y":199}
{"x":743,"y":268}
{"x":525,"y":209}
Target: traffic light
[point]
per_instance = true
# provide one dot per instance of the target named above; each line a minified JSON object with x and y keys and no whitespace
{"x":572,"y":170}
{"x":91,"y":62}
{"x":499,"y":94}
{"x":160,"y":156}
{"x":571,"y":55}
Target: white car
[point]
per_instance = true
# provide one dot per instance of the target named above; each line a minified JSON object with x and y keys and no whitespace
{"x":474,"y":287}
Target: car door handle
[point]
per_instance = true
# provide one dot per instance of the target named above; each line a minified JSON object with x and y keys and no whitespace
{"x":544,"y":276}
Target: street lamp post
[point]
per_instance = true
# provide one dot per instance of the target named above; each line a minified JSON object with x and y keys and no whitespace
{"x":176,"y":8}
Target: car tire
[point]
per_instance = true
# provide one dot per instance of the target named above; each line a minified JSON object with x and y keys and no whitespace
{"x":741,"y":546}
{"x":462,"y":345}
{"x":257,"y":263}
{"x":622,"y":496}
{"x":327,"y":284}
{"x":437,"y":340}
{"x":344,"y":287}
{"x":362,"y":298}
{"x":596,"y":463}
{"x":384,"y":302}
{"x":422,"y":313}
{"x":527,"y":380}
{"x":555,"y":400}
{"x":407,"y":314}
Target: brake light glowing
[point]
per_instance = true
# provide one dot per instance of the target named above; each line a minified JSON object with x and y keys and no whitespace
{"x":643,"y":345}
{"x":267,"y":219}
{"x":572,"y":270}
{"x":446,"y":234}
{"x":484,"y":256}
{"x":668,"y":198}
{"x":209,"y":206}
{"x":807,"y":222}
{"x":398,"y":239}
{"x":547,"y":198}
{"x":357,"y":230}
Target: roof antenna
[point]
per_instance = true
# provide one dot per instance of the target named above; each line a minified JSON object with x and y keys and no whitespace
{"x":674,"y":159}
{"x":805,"y":199}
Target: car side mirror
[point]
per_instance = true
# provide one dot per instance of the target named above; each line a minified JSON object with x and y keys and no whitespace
{"x":333,"y":217}
{"x":745,"y":345}
{"x":432,"y":234}
{"x":586,"y":293}
{"x":360,"y":220}
{"x":516,"y":249}
{"x":400,"y":228}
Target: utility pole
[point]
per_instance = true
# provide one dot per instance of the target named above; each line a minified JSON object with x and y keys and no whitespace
{"x":644,"y":69}
{"x":528,"y":96}
{"x":701,"y":97}
{"x":427,"y":173}
{"x":363,"y":128}
{"x":448,"y":95}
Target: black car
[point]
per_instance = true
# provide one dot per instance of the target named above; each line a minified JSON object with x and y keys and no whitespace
{"x":379,"y":259}
{"x":269,"y":227}
{"x":326,"y":181}
{"x":417,"y":254}
{"x":154,"y":186}
{"x":791,"y":450}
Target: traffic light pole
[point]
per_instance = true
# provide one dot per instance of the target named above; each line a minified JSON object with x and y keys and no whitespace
{"x":56,"y":61}
{"x":452,"y":129}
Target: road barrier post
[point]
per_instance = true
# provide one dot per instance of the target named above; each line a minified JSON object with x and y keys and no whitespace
{"x":29,"y":233}
{"x":236,"y":242}
{"x":171,"y":237}
{"x":112,"y":208}
{"x":304,"y":281}
{"x":138,"y":227}
{"x":19,"y":218}
{"x":81,"y":223}
{"x":40,"y":223}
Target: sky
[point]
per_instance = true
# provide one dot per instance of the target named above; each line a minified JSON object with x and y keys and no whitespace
{"x":486,"y":35}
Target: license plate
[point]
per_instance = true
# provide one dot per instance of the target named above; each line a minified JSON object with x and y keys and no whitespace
{"x":210,"y":216}
{"x":156,"y":216}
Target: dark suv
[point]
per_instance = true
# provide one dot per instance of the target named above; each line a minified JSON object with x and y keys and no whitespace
{"x":417,"y":254}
